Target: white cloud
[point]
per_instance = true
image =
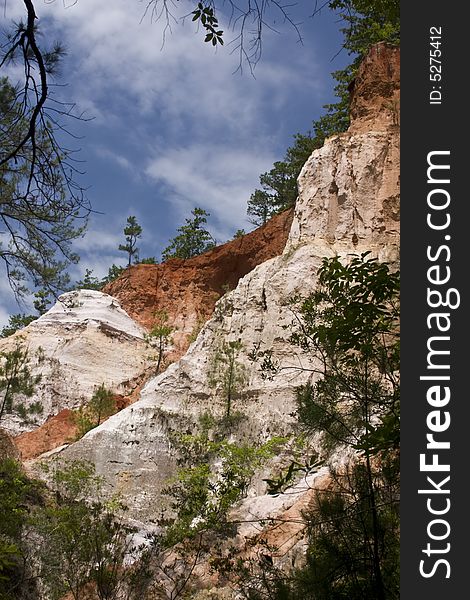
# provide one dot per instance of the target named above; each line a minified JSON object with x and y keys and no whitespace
{"x":212,"y":177}
{"x":121,"y":58}
{"x":116,"y":158}
{"x":211,"y":126}
{"x":96,"y":240}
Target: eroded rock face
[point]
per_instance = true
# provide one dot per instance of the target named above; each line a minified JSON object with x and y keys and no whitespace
{"x":83,"y":341}
{"x":375,"y":93}
{"x":352,"y":188}
{"x":348,"y":203}
{"x":187,"y":290}
{"x":7,"y":446}
{"x":352,"y":184}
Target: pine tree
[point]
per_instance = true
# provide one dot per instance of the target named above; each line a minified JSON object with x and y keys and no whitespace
{"x":133,"y":232}
{"x":102,"y":404}
{"x":159,"y":336}
{"x":39,"y":208}
{"x":279,"y":185}
{"x":351,"y":324}
{"x":89,"y":282}
{"x":193,"y":238}
{"x":16,"y":379}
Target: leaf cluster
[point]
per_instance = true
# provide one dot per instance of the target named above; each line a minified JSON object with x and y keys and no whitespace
{"x":351,"y":323}
{"x":14,"y":490}
{"x":16,"y":322}
{"x":340,"y":560}
{"x":269,"y":364}
{"x":368,"y":22}
{"x":82,"y":540}
{"x":205,"y":14}
{"x":90,"y":282}
{"x":282,"y":482}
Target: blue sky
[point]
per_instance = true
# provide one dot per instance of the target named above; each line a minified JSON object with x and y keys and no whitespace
{"x":175,"y":127}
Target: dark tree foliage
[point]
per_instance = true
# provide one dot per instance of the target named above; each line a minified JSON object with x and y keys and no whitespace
{"x":193,"y":238}
{"x":366,"y":22}
{"x":239,"y":234}
{"x":82,"y":543}
{"x":351,"y":325}
{"x":42,"y":209}
{"x":149,"y":260}
{"x":102,"y":404}
{"x":42,"y":301}
{"x":91,"y":282}
{"x":16,"y":380}
{"x":341,"y":530}
{"x":15,"y":488}
{"x":16,"y":322}
{"x":279,"y":185}
{"x":114,"y":272}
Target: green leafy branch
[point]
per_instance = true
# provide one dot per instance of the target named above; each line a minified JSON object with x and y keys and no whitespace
{"x":206,"y":16}
{"x":279,"y":484}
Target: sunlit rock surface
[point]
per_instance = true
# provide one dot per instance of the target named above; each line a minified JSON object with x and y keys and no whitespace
{"x":83,"y":341}
{"x":348,"y":203}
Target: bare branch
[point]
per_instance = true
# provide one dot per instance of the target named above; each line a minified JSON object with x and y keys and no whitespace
{"x":246,"y":19}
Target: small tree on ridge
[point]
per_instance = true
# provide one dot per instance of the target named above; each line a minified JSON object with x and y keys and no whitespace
{"x":133,"y":231}
{"x":193,"y":238}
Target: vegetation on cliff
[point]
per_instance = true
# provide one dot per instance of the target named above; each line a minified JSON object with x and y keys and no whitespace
{"x":366,"y":22}
{"x":73,"y":539}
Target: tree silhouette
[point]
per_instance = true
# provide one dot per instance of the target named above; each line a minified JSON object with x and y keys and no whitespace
{"x":133,"y":232}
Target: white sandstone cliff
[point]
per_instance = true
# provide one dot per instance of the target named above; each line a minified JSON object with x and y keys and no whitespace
{"x":348,"y":203}
{"x":83,"y":341}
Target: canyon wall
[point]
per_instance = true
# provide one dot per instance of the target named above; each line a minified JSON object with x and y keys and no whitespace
{"x":348,"y":204}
